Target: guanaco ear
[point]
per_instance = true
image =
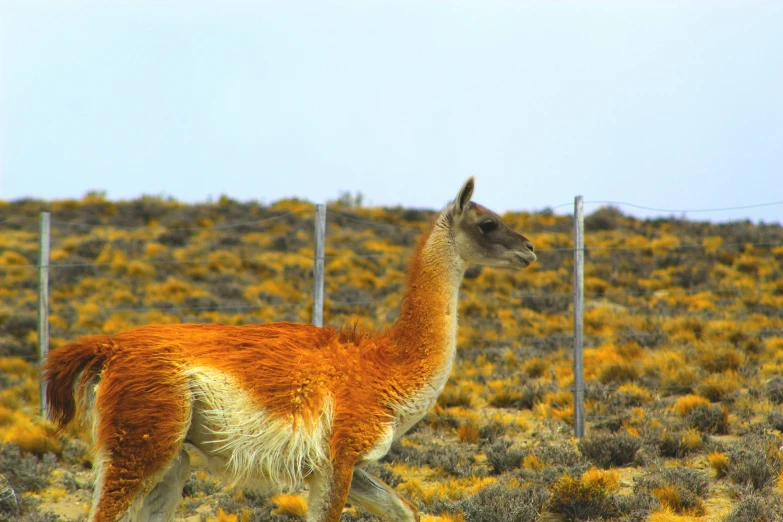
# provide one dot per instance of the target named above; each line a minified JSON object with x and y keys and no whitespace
{"x":463,"y":198}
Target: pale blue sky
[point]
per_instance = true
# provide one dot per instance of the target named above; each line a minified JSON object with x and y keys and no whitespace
{"x":676,"y":105}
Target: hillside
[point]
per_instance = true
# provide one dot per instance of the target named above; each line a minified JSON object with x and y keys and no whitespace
{"x":683,"y":358}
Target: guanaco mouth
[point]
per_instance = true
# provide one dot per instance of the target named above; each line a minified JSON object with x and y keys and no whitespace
{"x":525,"y":258}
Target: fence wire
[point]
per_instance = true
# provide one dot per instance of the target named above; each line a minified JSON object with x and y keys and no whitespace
{"x":404,"y":235}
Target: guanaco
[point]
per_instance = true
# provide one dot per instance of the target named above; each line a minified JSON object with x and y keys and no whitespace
{"x":276,"y":405}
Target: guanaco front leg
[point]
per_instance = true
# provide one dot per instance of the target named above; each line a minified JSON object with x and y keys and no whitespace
{"x":342,"y":471}
{"x":376,"y":497}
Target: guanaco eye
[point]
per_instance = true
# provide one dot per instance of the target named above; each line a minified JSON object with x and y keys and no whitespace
{"x":487,"y":226}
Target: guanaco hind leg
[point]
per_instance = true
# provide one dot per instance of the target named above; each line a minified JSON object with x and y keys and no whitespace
{"x":141,"y":465}
{"x":161,"y":503}
{"x":125,"y":494}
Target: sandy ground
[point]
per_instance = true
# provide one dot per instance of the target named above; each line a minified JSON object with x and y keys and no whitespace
{"x":75,"y":505}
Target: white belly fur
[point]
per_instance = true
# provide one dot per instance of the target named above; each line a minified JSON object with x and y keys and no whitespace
{"x":245,"y":444}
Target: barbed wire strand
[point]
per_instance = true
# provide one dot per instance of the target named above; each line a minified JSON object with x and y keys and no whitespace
{"x":254,"y":222}
{"x":259,"y":257}
{"x":208,"y":308}
{"x":376,"y":223}
{"x":670,"y":210}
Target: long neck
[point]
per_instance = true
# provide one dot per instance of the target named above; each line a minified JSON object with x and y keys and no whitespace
{"x":427,"y":324}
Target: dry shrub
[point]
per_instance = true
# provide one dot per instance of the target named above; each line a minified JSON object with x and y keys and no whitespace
{"x":612,"y":422}
{"x":557,"y":405}
{"x":691,"y":440}
{"x":502,"y":458}
{"x":774,"y":390}
{"x":468,"y":432}
{"x":558,"y":399}
{"x":441,"y":418}
{"x":8,"y":499}
{"x":32,"y":436}
{"x":774,"y":345}
{"x":669,"y":443}
{"x":605,"y":218}
{"x":536,"y":367}
{"x":610,"y":449}
{"x":680,"y":380}
{"x":709,"y":419}
{"x":671,"y":370}
{"x":686,"y":403}
{"x":491,"y":431}
{"x":775,"y":419}
{"x":754,"y":462}
{"x":533,"y":462}
{"x":719,"y":462}
{"x":680,"y":489}
{"x":249,"y":505}
{"x":720,"y":359}
{"x":291,"y":505}
{"x":755,"y":507}
{"x":428,"y":494}
{"x":525,"y":397}
{"x":665,"y":514}
{"x":716,"y":387}
{"x":506,"y":398}
{"x":25,"y":472}
{"x":564,"y":414}
{"x":678,"y":501}
{"x":19,"y":324}
{"x":504,"y":502}
{"x":454,"y":459}
{"x":560,"y":457}
{"x":453,"y":397}
{"x":201,"y":484}
{"x":618,"y":373}
{"x":632,"y":394}
{"x":222,"y":516}
{"x":453,"y":517}
{"x":77,"y":452}
{"x":16,"y":366}
{"x":609,"y":480}
{"x":8,"y":416}
{"x":589,"y":497}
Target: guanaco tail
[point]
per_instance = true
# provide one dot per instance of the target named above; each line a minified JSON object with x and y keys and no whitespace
{"x":276,"y":405}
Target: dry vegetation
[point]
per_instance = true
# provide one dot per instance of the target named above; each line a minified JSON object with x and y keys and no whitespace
{"x":684,"y":355}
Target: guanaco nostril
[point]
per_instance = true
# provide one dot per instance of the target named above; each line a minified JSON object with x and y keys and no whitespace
{"x":529,"y":246}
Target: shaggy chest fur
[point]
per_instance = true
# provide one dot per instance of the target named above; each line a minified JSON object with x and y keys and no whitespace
{"x":412,"y":409}
{"x":408,"y":409}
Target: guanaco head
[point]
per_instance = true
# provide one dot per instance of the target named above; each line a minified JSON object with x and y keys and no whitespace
{"x":482,"y":238}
